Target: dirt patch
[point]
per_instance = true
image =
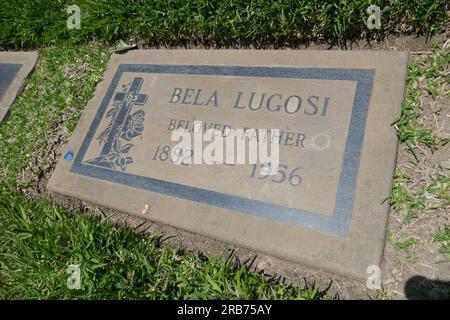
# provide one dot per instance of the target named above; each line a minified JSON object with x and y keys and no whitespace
{"x":422,"y":257}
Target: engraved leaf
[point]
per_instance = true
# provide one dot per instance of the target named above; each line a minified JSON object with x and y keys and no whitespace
{"x":102,"y":136}
{"x":123,"y":162}
{"x":128,"y":160}
{"x":112,"y":112}
{"x":126,"y":148}
{"x":116,"y":145}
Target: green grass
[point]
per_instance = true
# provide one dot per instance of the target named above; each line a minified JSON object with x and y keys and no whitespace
{"x":402,"y":198}
{"x":431,"y":73}
{"x":429,"y":76}
{"x":213,"y":22}
{"x":413,"y":202}
{"x":406,"y":246}
{"x":442,"y":236}
{"x":59,"y":89}
{"x":439,"y":188}
{"x":39,"y":241}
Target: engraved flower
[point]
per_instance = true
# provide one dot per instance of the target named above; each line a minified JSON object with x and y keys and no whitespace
{"x":134,"y":125}
{"x":123,"y":162}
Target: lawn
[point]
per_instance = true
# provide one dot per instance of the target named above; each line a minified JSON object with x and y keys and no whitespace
{"x":40,"y":237}
{"x":39,"y":241}
{"x":258,"y":23}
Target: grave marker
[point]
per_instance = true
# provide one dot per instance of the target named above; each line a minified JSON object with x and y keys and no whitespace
{"x":14,"y":68}
{"x":325,"y":205}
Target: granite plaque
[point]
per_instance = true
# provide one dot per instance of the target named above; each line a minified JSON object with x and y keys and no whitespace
{"x":14,"y":68}
{"x":329,"y":112}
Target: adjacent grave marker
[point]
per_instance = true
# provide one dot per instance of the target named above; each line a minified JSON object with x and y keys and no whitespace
{"x":324,"y":206}
{"x":14,"y":68}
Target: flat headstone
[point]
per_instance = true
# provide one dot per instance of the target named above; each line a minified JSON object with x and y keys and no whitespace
{"x":14,"y":68}
{"x":326,"y":207}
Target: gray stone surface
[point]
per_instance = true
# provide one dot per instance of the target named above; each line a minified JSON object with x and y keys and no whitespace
{"x":14,"y":68}
{"x":338,"y":140}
